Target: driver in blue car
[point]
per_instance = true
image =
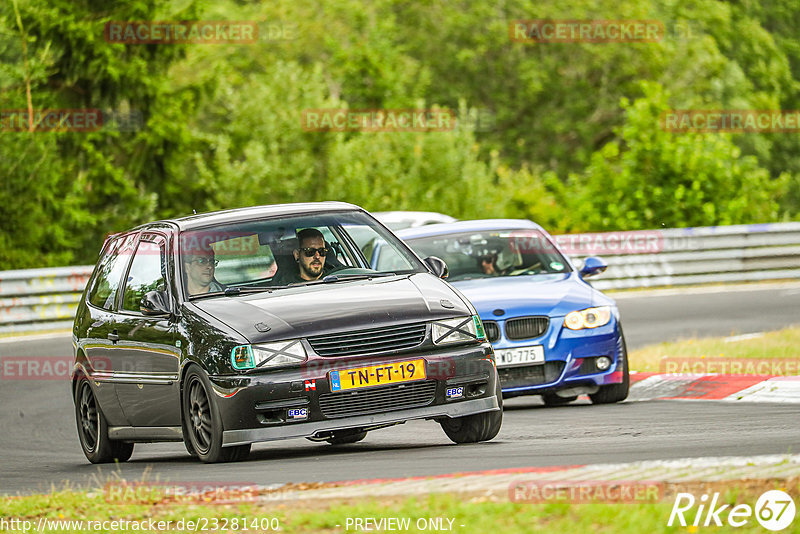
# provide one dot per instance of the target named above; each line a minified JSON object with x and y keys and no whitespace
{"x":488,"y":263}
{"x":310,"y":255}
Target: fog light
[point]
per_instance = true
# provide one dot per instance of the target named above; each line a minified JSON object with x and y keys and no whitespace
{"x":603,"y":363}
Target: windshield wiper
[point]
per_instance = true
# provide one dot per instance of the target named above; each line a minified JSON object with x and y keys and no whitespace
{"x":206,"y":295}
{"x":353,"y":276}
{"x":233,"y":291}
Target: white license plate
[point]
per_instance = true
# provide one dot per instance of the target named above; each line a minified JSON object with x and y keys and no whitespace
{"x":519,"y":356}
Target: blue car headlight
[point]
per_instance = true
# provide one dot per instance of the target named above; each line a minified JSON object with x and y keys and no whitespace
{"x":588,"y":318}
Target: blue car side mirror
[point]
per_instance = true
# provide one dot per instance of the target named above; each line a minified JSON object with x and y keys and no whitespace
{"x":592,"y":266}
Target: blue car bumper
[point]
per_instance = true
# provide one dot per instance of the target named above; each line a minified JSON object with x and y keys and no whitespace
{"x":570,"y":359}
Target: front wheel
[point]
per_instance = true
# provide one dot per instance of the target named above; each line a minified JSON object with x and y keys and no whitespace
{"x":615,"y":392}
{"x":477,"y":427}
{"x":203,"y":423}
{"x":93,"y":429}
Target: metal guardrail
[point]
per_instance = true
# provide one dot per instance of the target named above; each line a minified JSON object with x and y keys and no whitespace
{"x":684,"y":256}
{"x":40,"y":299}
{"x":46,"y":299}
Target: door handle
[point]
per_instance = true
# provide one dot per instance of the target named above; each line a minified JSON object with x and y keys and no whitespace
{"x":113,"y":336}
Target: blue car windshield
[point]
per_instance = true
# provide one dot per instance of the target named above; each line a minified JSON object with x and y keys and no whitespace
{"x":491,"y":253}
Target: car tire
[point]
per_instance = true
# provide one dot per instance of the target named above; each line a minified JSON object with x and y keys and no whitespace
{"x":551,"y":399}
{"x":615,"y":392}
{"x":203,"y":422}
{"x":477,"y":427}
{"x":188,"y":445}
{"x":93,"y":429}
{"x":346,"y":438}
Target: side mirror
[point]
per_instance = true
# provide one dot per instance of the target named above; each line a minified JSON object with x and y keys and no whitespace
{"x":154,"y":303}
{"x":437,"y":266}
{"x":592,"y":266}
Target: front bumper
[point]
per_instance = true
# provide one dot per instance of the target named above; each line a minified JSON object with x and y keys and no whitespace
{"x":311,"y":429}
{"x":569,"y":361}
{"x":263,"y":406}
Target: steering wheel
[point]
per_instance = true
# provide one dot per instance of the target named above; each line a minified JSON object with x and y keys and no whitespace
{"x":536,"y":268}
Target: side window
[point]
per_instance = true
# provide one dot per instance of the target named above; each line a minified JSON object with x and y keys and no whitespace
{"x":103,"y":293}
{"x":339,"y":252}
{"x":147,"y":273}
{"x":379,"y":254}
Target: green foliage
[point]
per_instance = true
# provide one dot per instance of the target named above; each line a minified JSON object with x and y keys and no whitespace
{"x":222,"y":123}
{"x":651,"y":178}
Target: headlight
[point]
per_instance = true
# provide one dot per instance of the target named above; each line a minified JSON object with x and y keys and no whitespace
{"x":458,"y":330}
{"x":281,"y":353}
{"x":588,"y":318}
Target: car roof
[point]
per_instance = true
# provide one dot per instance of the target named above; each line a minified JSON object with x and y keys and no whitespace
{"x":466,"y":226}
{"x":244,"y":214}
{"x":400,"y":216}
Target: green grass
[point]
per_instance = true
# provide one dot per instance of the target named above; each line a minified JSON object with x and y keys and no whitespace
{"x":476,"y":514}
{"x":778,"y":345}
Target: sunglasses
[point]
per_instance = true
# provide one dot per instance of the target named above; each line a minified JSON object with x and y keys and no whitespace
{"x":310,"y":251}
{"x":204,"y":261}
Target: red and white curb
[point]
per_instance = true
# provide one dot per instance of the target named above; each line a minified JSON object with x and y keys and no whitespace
{"x":741,"y":388}
{"x":496,"y":483}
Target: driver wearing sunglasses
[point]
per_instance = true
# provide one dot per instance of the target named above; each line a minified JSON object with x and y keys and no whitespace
{"x":310,"y":254}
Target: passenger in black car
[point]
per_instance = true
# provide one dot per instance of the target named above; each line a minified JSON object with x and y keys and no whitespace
{"x":199,"y":268}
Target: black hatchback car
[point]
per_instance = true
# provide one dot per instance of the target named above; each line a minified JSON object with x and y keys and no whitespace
{"x":264,"y":323}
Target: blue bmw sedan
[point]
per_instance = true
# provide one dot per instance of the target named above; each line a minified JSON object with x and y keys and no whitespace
{"x":553,"y":334}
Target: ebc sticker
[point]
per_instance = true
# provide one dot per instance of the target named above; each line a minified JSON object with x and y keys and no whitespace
{"x":297,"y":414}
{"x":455,"y":393}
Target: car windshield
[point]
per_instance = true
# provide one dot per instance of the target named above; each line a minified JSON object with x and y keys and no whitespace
{"x":491,"y":253}
{"x":266,"y":255}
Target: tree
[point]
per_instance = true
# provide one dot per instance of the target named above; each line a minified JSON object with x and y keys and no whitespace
{"x":651,"y":178}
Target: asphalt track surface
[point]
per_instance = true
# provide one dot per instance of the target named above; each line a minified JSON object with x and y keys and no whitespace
{"x":39,"y":444}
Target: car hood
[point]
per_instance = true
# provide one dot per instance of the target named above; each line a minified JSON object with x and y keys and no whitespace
{"x":553,"y":295}
{"x":325,"y":308}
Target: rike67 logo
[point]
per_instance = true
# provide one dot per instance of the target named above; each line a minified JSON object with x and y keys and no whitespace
{"x":774,"y":510}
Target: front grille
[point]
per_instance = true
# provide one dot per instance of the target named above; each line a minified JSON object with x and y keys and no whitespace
{"x":526,"y":327}
{"x":531,"y":375}
{"x":492,"y":331}
{"x":374,"y":340}
{"x":378,"y":400}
